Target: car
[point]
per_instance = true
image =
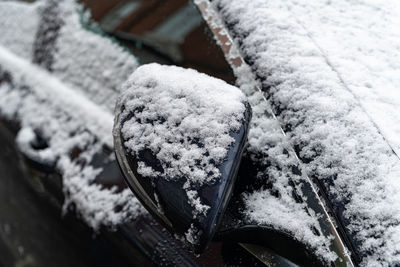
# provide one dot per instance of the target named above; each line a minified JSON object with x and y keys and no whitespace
{"x":297,"y":183}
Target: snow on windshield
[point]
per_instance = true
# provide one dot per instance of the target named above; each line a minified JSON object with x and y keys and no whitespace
{"x":62,"y":106}
{"x":330,"y":71}
{"x":184,"y":117}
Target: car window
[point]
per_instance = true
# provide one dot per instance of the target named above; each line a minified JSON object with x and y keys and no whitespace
{"x":167,"y":32}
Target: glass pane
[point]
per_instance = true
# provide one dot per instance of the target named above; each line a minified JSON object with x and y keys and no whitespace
{"x":167,"y":32}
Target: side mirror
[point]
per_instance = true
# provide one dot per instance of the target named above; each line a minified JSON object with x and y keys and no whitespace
{"x":179,"y":136}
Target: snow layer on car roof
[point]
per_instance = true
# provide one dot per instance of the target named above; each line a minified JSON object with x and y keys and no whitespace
{"x":63,"y":106}
{"x":330,"y":71}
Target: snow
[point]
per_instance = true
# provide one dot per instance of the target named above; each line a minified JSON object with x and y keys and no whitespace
{"x":66,"y":120}
{"x":360,"y":42}
{"x":195,"y":201}
{"x":79,"y":56}
{"x":184,"y":117}
{"x":261,"y":207}
{"x":65,"y":113}
{"x":25,"y":137}
{"x":272,"y":204}
{"x":192,"y":234}
{"x":88,"y":61}
{"x":330,"y":71}
{"x":18,"y":24}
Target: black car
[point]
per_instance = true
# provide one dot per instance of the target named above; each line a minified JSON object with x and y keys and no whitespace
{"x":75,"y":191}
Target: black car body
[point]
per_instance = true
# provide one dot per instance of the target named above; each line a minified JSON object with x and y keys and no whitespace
{"x":54,"y":58}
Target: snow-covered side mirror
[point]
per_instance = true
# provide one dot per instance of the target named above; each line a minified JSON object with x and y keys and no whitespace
{"x":179,"y":136}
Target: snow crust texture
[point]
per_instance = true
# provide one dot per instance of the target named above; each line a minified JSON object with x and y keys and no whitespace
{"x":330,"y":71}
{"x":184,"y":117}
{"x":58,"y":99}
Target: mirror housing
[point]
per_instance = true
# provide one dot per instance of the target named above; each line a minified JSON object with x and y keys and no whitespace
{"x":179,"y":136}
